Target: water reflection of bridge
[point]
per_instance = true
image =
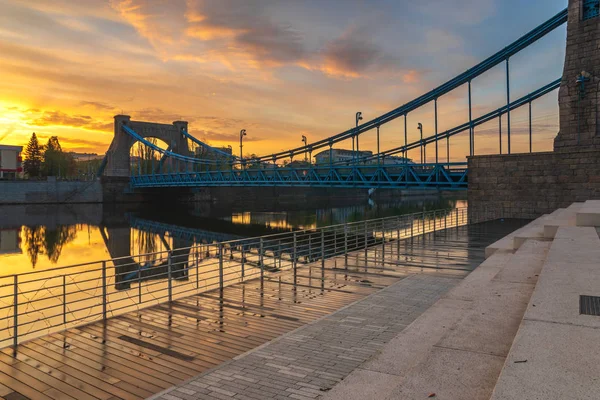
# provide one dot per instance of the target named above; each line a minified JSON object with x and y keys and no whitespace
{"x":130,"y":268}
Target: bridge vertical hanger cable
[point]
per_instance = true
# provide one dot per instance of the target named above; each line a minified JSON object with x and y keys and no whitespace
{"x":500,"y":132}
{"x":436,"y":130}
{"x":508,"y":103}
{"x":405,"y":139}
{"x":530,"y":131}
{"x":471,"y":146}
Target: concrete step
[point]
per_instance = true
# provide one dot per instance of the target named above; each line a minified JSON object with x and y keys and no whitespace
{"x":556,"y":352}
{"x":507,"y":242}
{"x":536,"y":231}
{"x":567,"y":217}
{"x":589,"y":214}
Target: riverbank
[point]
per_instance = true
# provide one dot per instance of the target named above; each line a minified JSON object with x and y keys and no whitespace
{"x":113,"y":191}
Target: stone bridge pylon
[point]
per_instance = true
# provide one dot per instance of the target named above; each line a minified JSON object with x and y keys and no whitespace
{"x":118,"y":155}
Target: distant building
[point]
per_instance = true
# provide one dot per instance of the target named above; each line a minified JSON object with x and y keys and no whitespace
{"x":340,"y":155}
{"x":394,"y":160}
{"x":79,"y":157}
{"x":11,"y":162}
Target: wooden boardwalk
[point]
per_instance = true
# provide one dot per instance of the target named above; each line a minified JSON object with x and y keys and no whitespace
{"x":144,"y":352}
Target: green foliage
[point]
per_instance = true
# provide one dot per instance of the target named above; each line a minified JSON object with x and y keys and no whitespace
{"x":56,"y":162}
{"x":33,"y":157}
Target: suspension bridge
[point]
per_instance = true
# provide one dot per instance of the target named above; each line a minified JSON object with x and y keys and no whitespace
{"x":189,"y":162}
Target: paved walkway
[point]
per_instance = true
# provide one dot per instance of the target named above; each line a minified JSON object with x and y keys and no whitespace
{"x":307,"y":362}
{"x":311,"y":360}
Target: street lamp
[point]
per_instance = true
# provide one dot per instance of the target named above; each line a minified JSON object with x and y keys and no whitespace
{"x":242,"y":134}
{"x":420,"y":128}
{"x":358,"y":118}
{"x":304,"y":140}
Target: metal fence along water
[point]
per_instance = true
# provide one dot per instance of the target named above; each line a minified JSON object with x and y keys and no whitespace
{"x":41,"y":302}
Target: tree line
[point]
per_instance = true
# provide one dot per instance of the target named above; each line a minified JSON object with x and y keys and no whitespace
{"x":47,"y":160}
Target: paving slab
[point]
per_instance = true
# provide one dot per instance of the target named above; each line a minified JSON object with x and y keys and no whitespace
{"x":412,"y":345}
{"x":444,"y":373}
{"x":491,"y":324}
{"x":551,"y":361}
{"x":527,"y":267}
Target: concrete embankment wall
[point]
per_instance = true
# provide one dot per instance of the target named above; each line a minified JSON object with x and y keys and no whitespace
{"x":296,"y":195}
{"x":49,"y":192}
{"x":529,"y":185}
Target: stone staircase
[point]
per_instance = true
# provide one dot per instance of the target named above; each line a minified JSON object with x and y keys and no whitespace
{"x":510,"y":330}
{"x":556,"y":351}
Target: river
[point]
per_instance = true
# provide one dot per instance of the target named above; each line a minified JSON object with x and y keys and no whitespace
{"x":43,"y":237}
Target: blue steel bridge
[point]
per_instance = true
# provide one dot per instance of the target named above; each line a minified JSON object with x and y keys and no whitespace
{"x":180,"y":165}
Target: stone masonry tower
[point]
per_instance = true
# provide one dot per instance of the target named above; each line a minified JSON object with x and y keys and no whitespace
{"x":579,"y":96}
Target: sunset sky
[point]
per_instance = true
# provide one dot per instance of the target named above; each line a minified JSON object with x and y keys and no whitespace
{"x":278,"y":68}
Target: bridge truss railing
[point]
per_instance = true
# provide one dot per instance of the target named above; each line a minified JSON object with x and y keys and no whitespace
{"x":41,"y":302}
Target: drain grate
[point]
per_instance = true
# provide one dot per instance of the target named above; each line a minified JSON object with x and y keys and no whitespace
{"x":589,"y":305}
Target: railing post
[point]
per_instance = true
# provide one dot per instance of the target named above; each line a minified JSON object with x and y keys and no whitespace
{"x":383,"y":244}
{"x":104,"y":290}
{"x":139,"y":274}
{"x":398,"y":235}
{"x":412,"y":225}
{"x":64,"y":285}
{"x":220,"y":266}
{"x":15,"y":312}
{"x":243,"y":263}
{"x":456,"y":218}
{"x":295,"y":258}
{"x":279,"y":251}
{"x":423,"y":221}
{"x":169,"y":275}
{"x":445,"y":221}
{"x":260,"y":260}
{"x":323,"y":248}
{"x":346,"y":245}
{"x":434,"y":220}
{"x":197,"y":269}
{"x":366,"y":242}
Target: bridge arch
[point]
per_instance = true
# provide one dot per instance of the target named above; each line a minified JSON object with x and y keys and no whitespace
{"x":118,"y":157}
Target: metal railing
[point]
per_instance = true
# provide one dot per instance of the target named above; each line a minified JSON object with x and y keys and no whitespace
{"x":40,"y":302}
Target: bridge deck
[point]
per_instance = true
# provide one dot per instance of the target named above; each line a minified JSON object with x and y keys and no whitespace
{"x":141,"y":353}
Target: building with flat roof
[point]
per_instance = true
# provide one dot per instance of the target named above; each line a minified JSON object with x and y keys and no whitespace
{"x":340,"y":155}
{"x":343,"y":155}
{"x":11,"y":162}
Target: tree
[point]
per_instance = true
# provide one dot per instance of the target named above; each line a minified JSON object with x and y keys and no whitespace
{"x":57,"y":162}
{"x":33,"y":157}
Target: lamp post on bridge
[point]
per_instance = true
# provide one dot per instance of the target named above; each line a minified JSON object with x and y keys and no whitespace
{"x":358,"y":118}
{"x":420,"y":128}
{"x":304,"y":140}
{"x":242,"y":134}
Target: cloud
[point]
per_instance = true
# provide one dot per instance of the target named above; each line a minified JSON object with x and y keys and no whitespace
{"x":97,"y":105}
{"x":241,"y":35}
{"x":206,"y":135}
{"x":51,"y":118}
